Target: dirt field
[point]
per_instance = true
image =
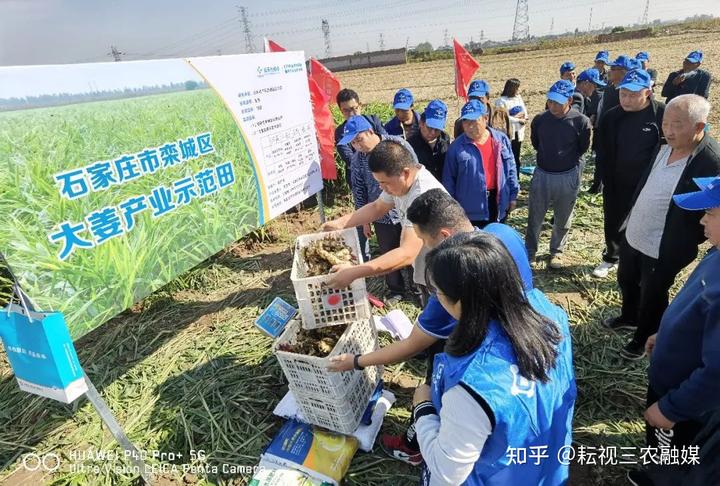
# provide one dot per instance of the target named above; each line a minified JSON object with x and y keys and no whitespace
{"x":185,"y":370}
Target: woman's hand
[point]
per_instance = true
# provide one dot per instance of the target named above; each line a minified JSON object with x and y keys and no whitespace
{"x":343,"y":362}
{"x":422,"y":394}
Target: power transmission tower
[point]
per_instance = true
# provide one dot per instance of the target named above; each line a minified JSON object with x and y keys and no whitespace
{"x":552,"y":25}
{"x":115,"y":53}
{"x":646,"y":13}
{"x":249,"y":47}
{"x":326,"y":36}
{"x":521,"y":27}
{"x":482,"y":36}
{"x":445,"y":38}
{"x":381,"y":42}
{"x":590,"y":21}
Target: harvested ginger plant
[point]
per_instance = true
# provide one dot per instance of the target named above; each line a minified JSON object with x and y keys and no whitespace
{"x":321,"y":255}
{"x":315,"y":342}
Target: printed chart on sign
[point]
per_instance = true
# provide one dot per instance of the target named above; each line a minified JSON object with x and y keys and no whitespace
{"x":289,"y":155}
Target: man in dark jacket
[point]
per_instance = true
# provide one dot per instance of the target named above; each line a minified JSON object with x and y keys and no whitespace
{"x":611,"y":95}
{"x":689,"y":80}
{"x":567,"y":72}
{"x":590,"y":85}
{"x":349,"y":103}
{"x":625,"y":146}
{"x":661,"y":238}
{"x":431,"y":142}
{"x":406,"y":121}
{"x":683,"y":389}
{"x":498,"y":118}
{"x":602,"y":62}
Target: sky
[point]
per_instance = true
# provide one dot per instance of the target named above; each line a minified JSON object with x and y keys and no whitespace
{"x":79,"y":31}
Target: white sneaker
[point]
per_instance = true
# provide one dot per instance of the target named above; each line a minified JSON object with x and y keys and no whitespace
{"x":602,"y":270}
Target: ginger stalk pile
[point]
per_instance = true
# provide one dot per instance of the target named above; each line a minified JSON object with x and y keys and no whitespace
{"x":321,"y":255}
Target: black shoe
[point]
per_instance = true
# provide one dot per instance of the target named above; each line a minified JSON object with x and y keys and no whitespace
{"x":639,"y":477}
{"x":616,"y":323}
{"x":633,"y":351}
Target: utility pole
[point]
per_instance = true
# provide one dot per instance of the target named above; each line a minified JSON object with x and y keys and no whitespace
{"x":521,"y":27}
{"x":326,"y":36}
{"x":381,"y":42}
{"x":590,"y":21}
{"x":552,"y":25}
{"x":249,"y":47}
{"x":482,"y":36}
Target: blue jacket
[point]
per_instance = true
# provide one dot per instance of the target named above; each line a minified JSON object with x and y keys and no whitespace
{"x":464,"y":176}
{"x":685,"y":364}
{"x":527,"y":416}
{"x":393,"y":126}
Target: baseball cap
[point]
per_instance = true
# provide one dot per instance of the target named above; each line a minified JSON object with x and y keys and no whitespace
{"x":636,"y":80}
{"x":479,"y":87}
{"x":642,"y":56}
{"x":561,"y":91}
{"x":708,"y":197}
{"x":695,"y":56}
{"x":403,"y":99}
{"x":435,"y":114}
{"x":625,"y":62}
{"x":603,"y":56}
{"x":567,"y":66}
{"x":472,"y":110}
{"x":355,"y":125}
{"x":592,"y":75}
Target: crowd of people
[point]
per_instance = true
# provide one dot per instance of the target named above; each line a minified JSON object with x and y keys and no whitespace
{"x":499,"y":355}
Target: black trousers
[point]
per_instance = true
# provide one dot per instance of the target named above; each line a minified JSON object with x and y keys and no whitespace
{"x":617,"y":202}
{"x":492,"y":211}
{"x":682,"y":434}
{"x":644,"y":283}
{"x":515,"y":144}
{"x":388,"y":238}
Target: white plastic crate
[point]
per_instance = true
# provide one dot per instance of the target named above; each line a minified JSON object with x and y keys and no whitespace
{"x":309,"y":374}
{"x":319,"y":304}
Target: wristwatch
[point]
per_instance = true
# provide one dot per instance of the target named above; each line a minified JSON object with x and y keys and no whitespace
{"x":356,"y":363}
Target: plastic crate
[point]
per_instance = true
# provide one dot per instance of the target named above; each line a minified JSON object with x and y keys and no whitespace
{"x":309,"y":374}
{"x":341,"y":413}
{"x":319,"y":304}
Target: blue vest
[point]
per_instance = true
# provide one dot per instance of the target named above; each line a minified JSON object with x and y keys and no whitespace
{"x":527,"y":414}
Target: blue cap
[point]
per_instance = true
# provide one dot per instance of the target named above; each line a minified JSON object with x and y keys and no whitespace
{"x":435,"y":114}
{"x":625,"y":62}
{"x":592,"y":75}
{"x":561,"y":91}
{"x":636,"y":80}
{"x":603,"y":56}
{"x":695,"y":57}
{"x":355,"y":125}
{"x":567,"y":66}
{"x":708,"y":197}
{"x":473,"y":109}
{"x":642,"y":56}
{"x":478,"y":88}
{"x":403,"y":100}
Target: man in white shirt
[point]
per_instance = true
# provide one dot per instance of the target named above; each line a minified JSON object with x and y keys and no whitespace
{"x":661,"y":238}
{"x":402,"y":180}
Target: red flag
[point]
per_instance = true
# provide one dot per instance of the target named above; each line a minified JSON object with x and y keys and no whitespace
{"x":324,"y":78}
{"x":465,"y":67}
{"x":325,"y":128}
{"x":272,"y":46}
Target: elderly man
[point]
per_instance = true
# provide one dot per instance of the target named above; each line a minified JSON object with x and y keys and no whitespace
{"x":625,"y":148}
{"x":402,"y":179}
{"x":688,"y":80}
{"x":498,"y":118}
{"x":660,"y":237}
{"x":560,"y":135}
{"x":480,"y":168}
{"x":431,"y":142}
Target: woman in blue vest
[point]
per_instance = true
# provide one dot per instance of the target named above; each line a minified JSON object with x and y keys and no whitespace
{"x":500,"y":408}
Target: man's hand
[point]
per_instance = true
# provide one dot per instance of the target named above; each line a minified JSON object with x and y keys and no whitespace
{"x":650,"y":344}
{"x":654,"y":417}
{"x":343,"y":362}
{"x":422,"y":394}
{"x":367,"y":230}
{"x":342,"y":275}
{"x":333,"y":225}
{"x":679,"y":79}
{"x":512,"y":206}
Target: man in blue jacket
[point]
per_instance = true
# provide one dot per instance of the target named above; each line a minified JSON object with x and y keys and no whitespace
{"x":480,"y":169}
{"x":684,"y":374}
{"x":406,"y":121}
